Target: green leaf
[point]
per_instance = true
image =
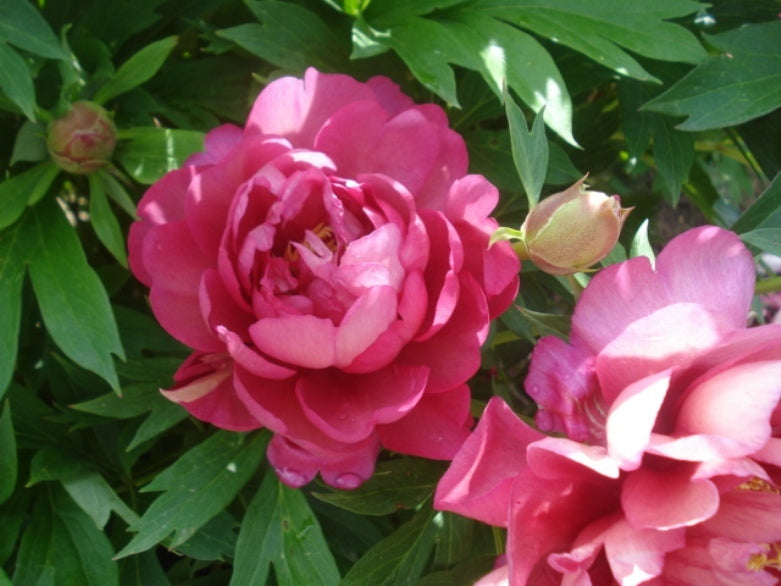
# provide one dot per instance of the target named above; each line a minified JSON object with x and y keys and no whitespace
{"x":454,"y":539}
{"x":428,"y":48}
{"x":23,"y":26}
{"x":16,"y":81}
{"x":388,"y":12}
{"x":199,"y":485}
{"x":725,"y":90}
{"x":396,"y":484}
{"x":30,"y":143}
{"x":63,"y":546}
{"x":143,"y":569}
{"x":85,"y":486}
{"x":765,"y":239}
{"x":289,"y":36}
{"x":103,"y":220}
{"x":399,"y":558}
{"x":118,"y":193}
{"x":530,"y":151}
{"x":12,"y":270}
{"x":640,"y":244}
{"x":163,"y":416}
{"x":26,"y":187}
{"x":7,"y":455}
{"x":544,"y":324}
{"x":466,"y":573}
{"x":509,"y":57}
{"x":73,"y":302}
{"x":14,"y":514}
{"x":139,"y":68}
{"x":134,"y":400}
{"x":149,"y":153}
{"x":279,"y":528}
{"x":216,"y":540}
{"x":674,"y":155}
{"x":766,"y":209}
{"x":602,"y":29}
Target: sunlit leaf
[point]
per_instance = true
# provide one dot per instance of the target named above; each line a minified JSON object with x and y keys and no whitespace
{"x":149,"y":153}
{"x":139,"y":68}
{"x":530,"y":151}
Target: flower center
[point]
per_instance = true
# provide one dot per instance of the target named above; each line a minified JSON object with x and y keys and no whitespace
{"x":767,"y":559}
{"x":322,"y":232}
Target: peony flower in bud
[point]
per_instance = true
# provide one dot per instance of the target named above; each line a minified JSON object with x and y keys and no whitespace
{"x":83,"y":140}
{"x":569,"y":231}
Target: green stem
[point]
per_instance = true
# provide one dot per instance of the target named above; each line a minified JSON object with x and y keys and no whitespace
{"x":768,"y":285}
{"x":498,"y":539}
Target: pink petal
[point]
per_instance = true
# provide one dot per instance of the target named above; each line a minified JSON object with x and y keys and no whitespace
{"x":441,"y":274}
{"x":691,"y":263}
{"x":296,"y":109}
{"x":479,"y":480}
{"x":347,"y":407}
{"x":180,"y":315}
{"x":372,"y":260}
{"x":736,"y":405}
{"x":411,"y":308}
{"x":546,"y":516}
{"x":212,"y":398}
{"x":671,"y":336}
{"x":563,"y":383}
{"x":453,"y":355}
{"x":249,"y":359}
{"x":219,"y":308}
{"x":369,"y":316}
{"x":666,"y":499}
{"x":435,"y":428}
{"x":218,"y":144}
{"x":632,"y":417}
{"x":748,"y":515}
{"x":637,"y":555}
{"x":562,"y":458}
{"x":389,"y":95}
{"x":615,"y":297}
{"x":299,"y":340}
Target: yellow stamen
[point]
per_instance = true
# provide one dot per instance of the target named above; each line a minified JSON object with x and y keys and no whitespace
{"x":770,"y":558}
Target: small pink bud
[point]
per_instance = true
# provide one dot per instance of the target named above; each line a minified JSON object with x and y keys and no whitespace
{"x":569,"y":231}
{"x":83,"y":140}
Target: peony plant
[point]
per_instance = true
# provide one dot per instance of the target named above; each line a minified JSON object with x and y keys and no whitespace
{"x":664,"y":466}
{"x":329,"y":265}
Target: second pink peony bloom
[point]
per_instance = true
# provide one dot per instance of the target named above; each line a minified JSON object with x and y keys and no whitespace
{"x":670,"y":471}
{"x":329,"y":265}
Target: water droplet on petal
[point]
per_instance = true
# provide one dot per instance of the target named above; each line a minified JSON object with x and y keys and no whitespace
{"x":292,"y":477}
{"x":348,"y":481}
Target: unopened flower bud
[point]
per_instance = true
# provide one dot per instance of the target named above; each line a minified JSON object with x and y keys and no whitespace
{"x":83,"y":140}
{"x":569,"y":231}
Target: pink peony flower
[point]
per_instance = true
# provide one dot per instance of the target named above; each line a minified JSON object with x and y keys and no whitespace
{"x":671,"y":469}
{"x":329,"y":265}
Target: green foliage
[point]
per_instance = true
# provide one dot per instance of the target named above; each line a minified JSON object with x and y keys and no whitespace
{"x":280,"y":529}
{"x":672,"y":104}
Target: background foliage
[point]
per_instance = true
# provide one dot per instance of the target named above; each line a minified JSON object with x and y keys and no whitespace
{"x":672,"y":104}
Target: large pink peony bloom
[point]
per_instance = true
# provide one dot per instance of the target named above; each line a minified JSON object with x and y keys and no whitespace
{"x":670,"y":473}
{"x":329,"y":265}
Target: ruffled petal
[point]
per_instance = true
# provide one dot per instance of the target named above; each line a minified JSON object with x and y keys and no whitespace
{"x":479,"y":480}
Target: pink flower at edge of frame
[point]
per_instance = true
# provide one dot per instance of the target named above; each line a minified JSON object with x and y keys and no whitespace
{"x":329,"y":265}
{"x":682,"y":442}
